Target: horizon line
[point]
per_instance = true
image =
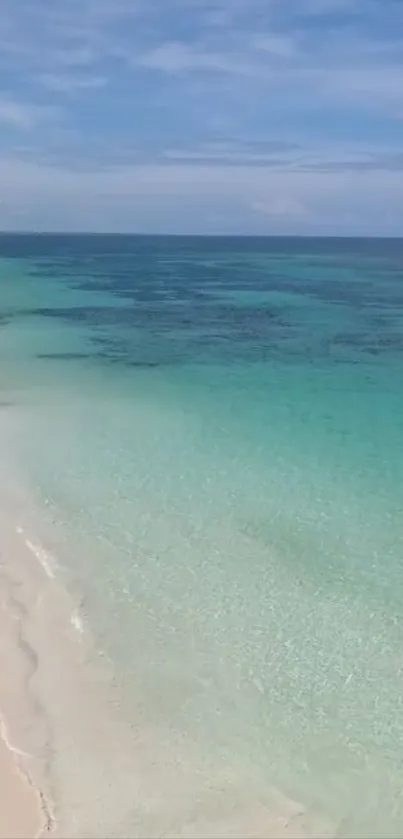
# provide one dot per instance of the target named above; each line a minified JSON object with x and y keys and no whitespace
{"x":151,"y":235}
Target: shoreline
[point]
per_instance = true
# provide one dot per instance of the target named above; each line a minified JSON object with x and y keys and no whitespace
{"x":63,"y":706}
{"x":25,"y":812}
{"x":50,"y":701}
{"x":21,"y":815}
{"x":27,"y":808}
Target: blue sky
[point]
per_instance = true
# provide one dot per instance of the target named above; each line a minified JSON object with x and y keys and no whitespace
{"x":254,"y":116}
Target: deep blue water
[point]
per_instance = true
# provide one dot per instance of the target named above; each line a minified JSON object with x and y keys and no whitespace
{"x":226,"y":299}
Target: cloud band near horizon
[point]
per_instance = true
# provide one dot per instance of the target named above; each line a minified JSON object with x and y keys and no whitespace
{"x":202,"y":116}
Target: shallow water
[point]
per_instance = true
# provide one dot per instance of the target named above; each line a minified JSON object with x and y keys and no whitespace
{"x":212,"y":429}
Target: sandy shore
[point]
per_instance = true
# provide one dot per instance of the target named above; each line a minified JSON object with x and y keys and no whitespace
{"x":20,"y":815}
{"x":22,"y":807}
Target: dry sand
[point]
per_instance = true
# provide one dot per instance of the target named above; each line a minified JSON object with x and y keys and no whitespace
{"x":22,"y":812}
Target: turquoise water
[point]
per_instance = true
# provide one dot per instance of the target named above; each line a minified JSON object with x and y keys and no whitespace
{"x":214,"y":426}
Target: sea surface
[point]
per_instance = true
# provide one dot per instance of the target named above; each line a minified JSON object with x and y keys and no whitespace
{"x":211,"y":433}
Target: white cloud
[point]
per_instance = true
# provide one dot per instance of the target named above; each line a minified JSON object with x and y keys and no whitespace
{"x":174,"y":78}
{"x":179,"y":198}
{"x":175,"y":57}
{"x":69,"y":83}
{"x":278,"y":46}
{"x":281,"y":206}
{"x":43,"y":37}
{"x":20,"y":115}
{"x":383,"y":84}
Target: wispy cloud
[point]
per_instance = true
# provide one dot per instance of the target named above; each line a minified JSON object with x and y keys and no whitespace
{"x":264,"y":112}
{"x":12,"y":113}
{"x":149,"y":197}
{"x":175,"y":57}
{"x":281,"y":206}
{"x":71,"y":83}
{"x":21,"y":115}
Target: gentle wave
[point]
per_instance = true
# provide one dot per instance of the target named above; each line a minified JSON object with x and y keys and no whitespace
{"x":46,"y":559}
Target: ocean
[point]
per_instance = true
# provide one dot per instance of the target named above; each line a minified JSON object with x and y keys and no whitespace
{"x":203,"y":438}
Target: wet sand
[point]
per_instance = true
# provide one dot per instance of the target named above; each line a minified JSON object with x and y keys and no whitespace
{"x":20,"y":816}
{"x":23,"y":811}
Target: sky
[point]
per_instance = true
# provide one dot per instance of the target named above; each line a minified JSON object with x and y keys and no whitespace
{"x":202,"y":116}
